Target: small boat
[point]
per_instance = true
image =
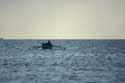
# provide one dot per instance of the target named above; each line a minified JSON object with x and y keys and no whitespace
{"x":48,"y":45}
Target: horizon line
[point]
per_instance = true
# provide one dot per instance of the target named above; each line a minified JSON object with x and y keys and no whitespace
{"x":62,"y":38}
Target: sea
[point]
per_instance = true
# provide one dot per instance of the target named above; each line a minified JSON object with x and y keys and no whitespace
{"x":82,"y":61}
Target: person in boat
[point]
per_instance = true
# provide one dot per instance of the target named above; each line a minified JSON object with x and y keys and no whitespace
{"x":47,"y":45}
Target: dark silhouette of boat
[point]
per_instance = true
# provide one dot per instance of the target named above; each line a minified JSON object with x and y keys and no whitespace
{"x":48,"y":45}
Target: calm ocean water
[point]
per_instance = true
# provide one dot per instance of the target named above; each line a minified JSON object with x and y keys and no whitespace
{"x":82,"y":61}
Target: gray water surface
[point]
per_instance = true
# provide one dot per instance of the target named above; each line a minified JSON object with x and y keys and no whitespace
{"x":83,"y":61}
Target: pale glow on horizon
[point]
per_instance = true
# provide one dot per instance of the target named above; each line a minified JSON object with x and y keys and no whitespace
{"x":62,"y":19}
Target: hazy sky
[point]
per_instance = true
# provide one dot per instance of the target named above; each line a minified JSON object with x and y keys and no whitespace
{"x":62,"y":19}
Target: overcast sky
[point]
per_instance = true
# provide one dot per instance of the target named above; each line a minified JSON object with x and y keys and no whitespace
{"x":62,"y":19}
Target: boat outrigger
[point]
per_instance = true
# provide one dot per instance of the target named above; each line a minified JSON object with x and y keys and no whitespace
{"x":48,"y":45}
